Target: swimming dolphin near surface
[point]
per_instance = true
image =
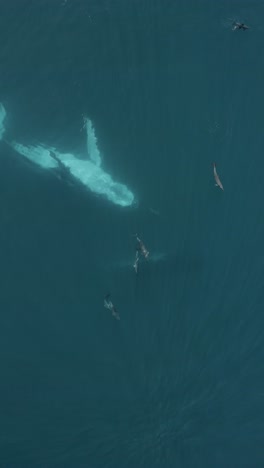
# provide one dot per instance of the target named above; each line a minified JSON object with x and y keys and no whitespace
{"x":109,"y":305}
{"x":141,"y":247}
{"x":88,"y":172}
{"x":237,"y":25}
{"x":218,"y":182}
{"x":140,"y":250}
{"x":135,"y":264}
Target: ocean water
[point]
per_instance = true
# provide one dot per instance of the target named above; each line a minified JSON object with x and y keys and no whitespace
{"x":179,"y":380}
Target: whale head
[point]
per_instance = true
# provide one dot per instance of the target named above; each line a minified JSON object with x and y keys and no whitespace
{"x":120,"y":195}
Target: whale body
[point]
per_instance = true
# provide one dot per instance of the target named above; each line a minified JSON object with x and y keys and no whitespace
{"x":88,"y":172}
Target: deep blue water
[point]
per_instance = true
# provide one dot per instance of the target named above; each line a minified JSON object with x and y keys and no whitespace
{"x":179,"y":381}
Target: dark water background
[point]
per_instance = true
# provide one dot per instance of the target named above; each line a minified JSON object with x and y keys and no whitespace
{"x":179,"y":381}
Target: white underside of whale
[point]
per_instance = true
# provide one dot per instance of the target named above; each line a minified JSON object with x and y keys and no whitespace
{"x":87,"y":172}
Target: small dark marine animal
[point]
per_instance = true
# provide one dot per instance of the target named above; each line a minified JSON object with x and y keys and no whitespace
{"x":109,"y":305}
{"x":242,"y":26}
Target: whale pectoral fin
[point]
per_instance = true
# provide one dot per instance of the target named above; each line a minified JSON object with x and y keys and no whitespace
{"x":91,"y":143}
{"x":2,"y":119}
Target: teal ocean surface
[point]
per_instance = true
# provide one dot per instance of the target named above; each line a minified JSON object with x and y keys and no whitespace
{"x":168,"y":89}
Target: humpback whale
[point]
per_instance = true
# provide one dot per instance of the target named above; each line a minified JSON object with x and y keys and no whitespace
{"x":88,"y":172}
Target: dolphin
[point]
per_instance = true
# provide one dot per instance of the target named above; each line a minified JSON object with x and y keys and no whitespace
{"x":237,"y":25}
{"x":87,"y":172}
{"x":218,"y":182}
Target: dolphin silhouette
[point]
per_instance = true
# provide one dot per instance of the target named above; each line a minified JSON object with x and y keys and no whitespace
{"x":218,"y":182}
{"x":237,"y":25}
